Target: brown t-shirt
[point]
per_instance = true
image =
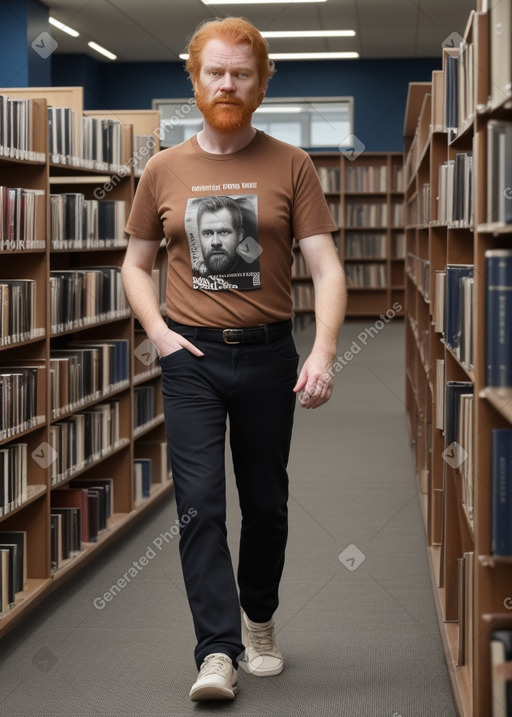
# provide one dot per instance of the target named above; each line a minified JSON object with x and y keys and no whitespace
{"x":229,"y":221}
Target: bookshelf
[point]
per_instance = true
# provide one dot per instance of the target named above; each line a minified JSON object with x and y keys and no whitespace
{"x":451,"y":338}
{"x":365,"y":196}
{"x":82,"y":360}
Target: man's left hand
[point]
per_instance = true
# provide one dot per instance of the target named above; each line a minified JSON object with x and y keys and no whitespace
{"x":315,"y":382}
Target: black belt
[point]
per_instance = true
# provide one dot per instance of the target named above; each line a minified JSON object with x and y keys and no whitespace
{"x":247,"y":335}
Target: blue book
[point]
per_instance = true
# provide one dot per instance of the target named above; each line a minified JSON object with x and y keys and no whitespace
{"x":502,"y":491}
{"x":498,"y":283}
{"x":454,"y":305}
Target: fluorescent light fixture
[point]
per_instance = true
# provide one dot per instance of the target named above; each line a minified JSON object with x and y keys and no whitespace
{"x":313,"y":55}
{"x":102,"y":50}
{"x":255,"y":2}
{"x":64,"y":28}
{"x":309,"y":33}
{"x":279,"y":109}
{"x":304,"y":55}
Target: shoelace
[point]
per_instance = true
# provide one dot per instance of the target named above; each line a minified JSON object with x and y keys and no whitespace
{"x":262,"y":639}
{"x":214,"y":664}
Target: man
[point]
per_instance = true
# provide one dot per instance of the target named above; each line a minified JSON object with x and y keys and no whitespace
{"x":228,"y":352}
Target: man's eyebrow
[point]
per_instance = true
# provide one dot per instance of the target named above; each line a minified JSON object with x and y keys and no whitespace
{"x":233,"y":67}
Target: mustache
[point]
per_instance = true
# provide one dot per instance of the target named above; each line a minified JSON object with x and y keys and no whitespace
{"x":224,"y":99}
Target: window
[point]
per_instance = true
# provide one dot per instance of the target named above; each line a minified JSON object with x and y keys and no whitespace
{"x":311,"y":123}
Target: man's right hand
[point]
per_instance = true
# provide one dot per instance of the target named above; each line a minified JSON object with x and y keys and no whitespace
{"x":169,"y":342}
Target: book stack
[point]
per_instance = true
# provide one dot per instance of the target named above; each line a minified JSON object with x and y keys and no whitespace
{"x":144,"y":405}
{"x":13,"y":477}
{"x":61,"y":137}
{"x":366,"y":214}
{"x":83,"y":297}
{"x":367,"y":245}
{"x":79,"y":223}
{"x":22,"y":396}
{"x":22,"y":218}
{"x":498,"y":283}
{"x":329,"y":179}
{"x":366,"y":276}
{"x":101,"y":143}
{"x":499,"y":172}
{"x":18,"y":311}
{"x":16,"y":130}
{"x":366,"y":178}
{"x":83,"y":439}
{"x":13,"y":567}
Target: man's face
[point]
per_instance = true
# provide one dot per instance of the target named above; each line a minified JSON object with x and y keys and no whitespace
{"x":219,"y":241}
{"x":228,"y":89}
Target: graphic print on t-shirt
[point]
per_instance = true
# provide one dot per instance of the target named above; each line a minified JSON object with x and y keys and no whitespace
{"x":222,"y":234}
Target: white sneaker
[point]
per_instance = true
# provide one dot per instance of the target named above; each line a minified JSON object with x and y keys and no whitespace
{"x":262,"y":658}
{"x":217,"y":679}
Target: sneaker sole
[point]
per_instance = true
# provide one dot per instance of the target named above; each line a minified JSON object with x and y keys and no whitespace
{"x":266,"y":673}
{"x":213,"y":692}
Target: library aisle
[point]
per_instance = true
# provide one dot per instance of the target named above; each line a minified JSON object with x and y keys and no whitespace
{"x":357,"y":622}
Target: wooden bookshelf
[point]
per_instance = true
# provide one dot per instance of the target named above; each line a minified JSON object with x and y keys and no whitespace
{"x":32,"y":512}
{"x":471,"y":585}
{"x":365,"y":196}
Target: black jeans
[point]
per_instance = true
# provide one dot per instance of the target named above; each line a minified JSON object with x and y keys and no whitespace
{"x":252,"y":385}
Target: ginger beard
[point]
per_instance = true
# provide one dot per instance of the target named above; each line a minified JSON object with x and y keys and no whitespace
{"x":225,"y":113}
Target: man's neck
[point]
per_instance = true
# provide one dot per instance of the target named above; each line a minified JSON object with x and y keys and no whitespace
{"x":220,"y":143}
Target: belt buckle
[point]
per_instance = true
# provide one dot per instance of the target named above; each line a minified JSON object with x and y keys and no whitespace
{"x":228,"y":336}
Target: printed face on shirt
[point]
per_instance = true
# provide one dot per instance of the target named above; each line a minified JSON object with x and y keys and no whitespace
{"x":219,"y":238}
{"x":228,"y":89}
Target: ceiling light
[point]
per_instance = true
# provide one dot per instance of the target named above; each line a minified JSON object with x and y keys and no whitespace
{"x":102,"y":50}
{"x":279,"y":109}
{"x":64,"y":28}
{"x":313,"y":55}
{"x":309,"y":33}
{"x":254,"y":2}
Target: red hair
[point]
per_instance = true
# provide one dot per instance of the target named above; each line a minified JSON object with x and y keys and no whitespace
{"x":235,"y":30}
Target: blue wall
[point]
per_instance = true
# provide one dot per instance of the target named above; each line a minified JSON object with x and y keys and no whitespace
{"x":21,"y":64}
{"x":379,"y":87}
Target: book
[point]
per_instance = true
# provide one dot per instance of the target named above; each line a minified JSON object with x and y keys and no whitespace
{"x":499,"y":170}
{"x":498,"y":317}
{"x":74,"y":498}
{"x":19,"y":539}
{"x":502,"y":491}
{"x":501,"y":682}
{"x":500,"y":50}
{"x":454,"y":305}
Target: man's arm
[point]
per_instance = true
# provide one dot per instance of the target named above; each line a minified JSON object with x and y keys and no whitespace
{"x":142,"y":296}
{"x":316,"y":377}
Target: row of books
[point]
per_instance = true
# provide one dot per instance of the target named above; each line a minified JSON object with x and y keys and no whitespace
{"x":366,"y":178}
{"x":366,"y":214}
{"x":85,"y":371}
{"x":398,"y":245}
{"x":101,"y":141}
{"x":13,"y":477}
{"x":369,"y":276}
{"x":13,"y":567}
{"x":16,"y":130}
{"x":143,"y":405}
{"x":82,"y":439}
{"x":22,"y":396}
{"x":86,"y":296}
{"x":329,"y":178}
{"x":22,"y":218}
{"x":303,"y":296}
{"x":366,"y":245}
{"x":18,"y":311}
{"x":419,"y":271}
{"x":455,"y":314}
{"x":456,"y":195}
{"x":499,"y":172}
{"x":151,"y":466}
{"x":335,"y":209}
{"x":80,"y":223}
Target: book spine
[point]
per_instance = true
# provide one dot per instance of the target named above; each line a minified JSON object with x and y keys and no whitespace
{"x":499,"y":318}
{"x":502,"y":491}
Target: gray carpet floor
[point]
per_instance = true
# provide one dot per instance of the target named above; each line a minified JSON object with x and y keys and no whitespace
{"x":356,"y":622}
